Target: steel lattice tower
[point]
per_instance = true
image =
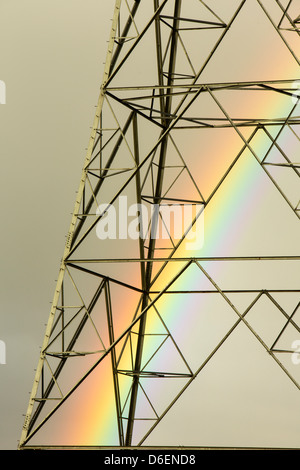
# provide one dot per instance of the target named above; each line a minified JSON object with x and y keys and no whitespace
{"x":166,"y":133}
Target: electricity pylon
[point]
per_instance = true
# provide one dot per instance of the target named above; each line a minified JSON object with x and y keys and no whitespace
{"x":172,"y":130}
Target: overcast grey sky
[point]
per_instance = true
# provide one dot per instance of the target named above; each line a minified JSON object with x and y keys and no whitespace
{"x":51,"y":60}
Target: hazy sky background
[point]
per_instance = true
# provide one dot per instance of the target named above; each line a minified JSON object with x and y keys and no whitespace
{"x":51,"y":59}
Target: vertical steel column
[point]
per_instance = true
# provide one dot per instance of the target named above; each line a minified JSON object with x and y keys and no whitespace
{"x":166,"y":104}
{"x":139,"y":200}
{"x":114,"y":362}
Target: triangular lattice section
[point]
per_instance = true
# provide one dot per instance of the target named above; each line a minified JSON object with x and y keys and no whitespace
{"x":185,"y":233}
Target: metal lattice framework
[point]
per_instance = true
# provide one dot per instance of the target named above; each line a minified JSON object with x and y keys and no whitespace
{"x":154,"y":98}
